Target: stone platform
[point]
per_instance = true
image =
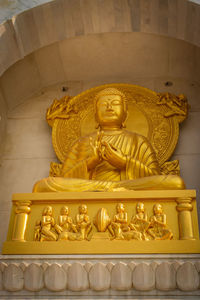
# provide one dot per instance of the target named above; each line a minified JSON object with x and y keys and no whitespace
{"x":100,"y":276}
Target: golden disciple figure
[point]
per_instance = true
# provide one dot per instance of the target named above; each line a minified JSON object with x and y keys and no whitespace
{"x":158,"y":228}
{"x":64,"y":220}
{"x":120,"y":222}
{"x":139,"y":222}
{"x":112,"y":158}
{"x":83,"y":224}
{"x":66,"y":224}
{"x":48,"y":226}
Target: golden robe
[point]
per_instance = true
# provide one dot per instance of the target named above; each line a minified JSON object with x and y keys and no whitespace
{"x":141,"y":171}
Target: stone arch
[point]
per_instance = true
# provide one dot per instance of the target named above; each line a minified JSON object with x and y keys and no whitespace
{"x":62,"y":19}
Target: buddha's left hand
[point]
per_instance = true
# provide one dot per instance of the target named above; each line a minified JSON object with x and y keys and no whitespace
{"x":113,"y":156}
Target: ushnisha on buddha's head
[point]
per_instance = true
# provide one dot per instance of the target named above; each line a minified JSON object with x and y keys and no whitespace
{"x":111,"y":109}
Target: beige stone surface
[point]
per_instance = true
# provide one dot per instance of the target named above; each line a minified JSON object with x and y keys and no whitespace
{"x":3,"y":119}
{"x":121,"y":277}
{"x":190,"y":88}
{"x":92,"y":57}
{"x":189,"y":169}
{"x":143,"y":277}
{"x":9,"y":48}
{"x":187,"y":277}
{"x":110,"y":266}
{"x":28,"y":274}
{"x":20,"y":82}
{"x":55,"y":278}
{"x":16,"y":174}
{"x":181,"y":18}
{"x":55,"y":21}
{"x":181,"y":62}
{"x":50,"y":65}
{"x":35,"y":107}
{"x":165,"y":277}
{"x":145,"y":82}
{"x":13,"y":278}
{"x":99,"y":277}
{"x":28,"y":138}
{"x":33,"y":278}
{"x":189,"y":132}
{"x":1,"y":281}
{"x":197,"y":265}
{"x":197,"y":63}
{"x":4,"y":221}
{"x":9,"y":8}
{"x":77,"y":278}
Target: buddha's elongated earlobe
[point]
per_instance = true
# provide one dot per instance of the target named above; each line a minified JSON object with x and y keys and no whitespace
{"x":123,"y":123}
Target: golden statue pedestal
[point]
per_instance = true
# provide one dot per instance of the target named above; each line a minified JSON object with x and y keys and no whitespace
{"x":179,"y":234}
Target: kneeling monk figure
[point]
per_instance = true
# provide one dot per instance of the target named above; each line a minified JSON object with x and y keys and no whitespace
{"x":111,"y":158}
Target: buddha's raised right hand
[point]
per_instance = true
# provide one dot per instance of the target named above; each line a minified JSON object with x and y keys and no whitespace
{"x":96,"y":157}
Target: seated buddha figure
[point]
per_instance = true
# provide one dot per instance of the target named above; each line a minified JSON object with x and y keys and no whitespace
{"x":111,"y":158}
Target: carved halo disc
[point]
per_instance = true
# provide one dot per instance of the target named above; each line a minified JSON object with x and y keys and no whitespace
{"x":144,"y":117}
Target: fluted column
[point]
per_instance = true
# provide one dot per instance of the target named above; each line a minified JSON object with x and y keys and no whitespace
{"x":184,"y":209}
{"x":21,"y":217}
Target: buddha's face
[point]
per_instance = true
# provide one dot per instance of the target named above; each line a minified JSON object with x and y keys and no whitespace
{"x":140,"y":207}
{"x":110,"y":110}
{"x":64,"y":210}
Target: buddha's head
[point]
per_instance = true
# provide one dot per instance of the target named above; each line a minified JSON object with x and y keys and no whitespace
{"x":47,"y":211}
{"x":64,"y":210}
{"x":140,"y":207}
{"x":111,"y":109}
{"x":120,"y":207}
{"x":83,"y":209}
{"x":157,"y":209}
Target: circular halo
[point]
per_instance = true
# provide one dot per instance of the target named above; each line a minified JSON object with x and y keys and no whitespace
{"x":145,"y":117}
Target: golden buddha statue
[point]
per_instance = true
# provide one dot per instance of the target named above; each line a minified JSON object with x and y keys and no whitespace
{"x":111,"y":158}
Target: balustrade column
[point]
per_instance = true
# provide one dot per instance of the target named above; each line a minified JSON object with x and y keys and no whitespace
{"x":184,"y":209}
{"x":21,"y":217}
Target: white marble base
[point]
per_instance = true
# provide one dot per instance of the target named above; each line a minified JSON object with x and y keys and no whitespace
{"x":99,"y":276}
